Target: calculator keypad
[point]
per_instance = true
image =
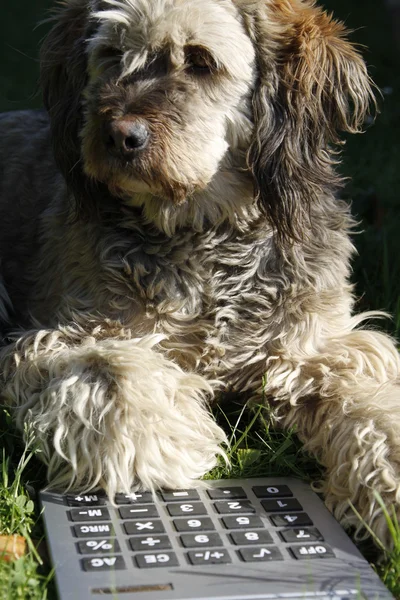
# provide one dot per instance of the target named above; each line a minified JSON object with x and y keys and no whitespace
{"x":178,"y":528}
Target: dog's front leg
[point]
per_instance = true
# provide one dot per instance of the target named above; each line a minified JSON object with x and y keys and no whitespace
{"x":109,"y":410}
{"x":343,"y":397}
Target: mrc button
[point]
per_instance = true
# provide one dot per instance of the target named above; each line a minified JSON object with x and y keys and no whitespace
{"x":89,"y":530}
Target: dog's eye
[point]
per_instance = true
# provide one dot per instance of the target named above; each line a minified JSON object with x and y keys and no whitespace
{"x":199,"y":61}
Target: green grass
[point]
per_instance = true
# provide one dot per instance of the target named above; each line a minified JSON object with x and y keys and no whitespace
{"x":371,"y":160}
{"x":26,"y":578}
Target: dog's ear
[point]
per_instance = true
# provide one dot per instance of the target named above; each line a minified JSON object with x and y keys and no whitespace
{"x":63,"y":79}
{"x":313,"y":85}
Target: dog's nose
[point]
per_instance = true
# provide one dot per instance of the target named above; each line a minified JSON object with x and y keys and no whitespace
{"x":125,"y":137}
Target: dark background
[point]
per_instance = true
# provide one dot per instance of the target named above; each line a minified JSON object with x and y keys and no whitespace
{"x":371,"y":159}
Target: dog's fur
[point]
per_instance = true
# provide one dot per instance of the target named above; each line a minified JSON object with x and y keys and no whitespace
{"x":215,"y":258}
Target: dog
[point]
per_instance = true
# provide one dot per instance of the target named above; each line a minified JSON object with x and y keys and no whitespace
{"x":172,"y":232}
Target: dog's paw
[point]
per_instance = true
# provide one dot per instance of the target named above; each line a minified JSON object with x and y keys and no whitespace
{"x":118,"y":414}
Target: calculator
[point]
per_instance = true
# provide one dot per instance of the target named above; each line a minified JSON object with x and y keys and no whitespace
{"x":233,"y":539}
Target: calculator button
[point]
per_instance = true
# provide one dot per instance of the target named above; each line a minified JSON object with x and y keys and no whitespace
{"x":234,"y":506}
{"x":283,"y":505}
{"x":149,"y":542}
{"x":315,"y":551}
{"x":86,"y":500}
{"x":203,"y":524}
{"x":98,"y":530}
{"x":208,"y":557}
{"x":227,"y":493}
{"x":192,"y":540}
{"x":242,"y":522}
{"x":89,"y":514}
{"x":298,"y":520}
{"x":134,"y":498}
{"x":162,"y":559}
{"x":262,"y":554}
{"x":181,"y":510}
{"x":272,"y":491}
{"x":106,"y":563}
{"x":138,"y":511}
{"x":180,"y":495}
{"x":250,"y":538}
{"x":144,"y":527}
{"x":99,"y":546}
{"x":301,"y":535}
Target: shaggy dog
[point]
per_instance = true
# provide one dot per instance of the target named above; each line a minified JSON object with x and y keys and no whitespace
{"x":190,"y":241}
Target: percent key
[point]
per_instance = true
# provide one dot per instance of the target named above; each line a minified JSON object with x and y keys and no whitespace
{"x":98,"y":546}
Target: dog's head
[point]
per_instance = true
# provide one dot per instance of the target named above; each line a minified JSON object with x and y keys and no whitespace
{"x":161,"y":101}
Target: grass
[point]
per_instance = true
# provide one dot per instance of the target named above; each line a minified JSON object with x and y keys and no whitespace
{"x":25,"y":578}
{"x":371,"y":160}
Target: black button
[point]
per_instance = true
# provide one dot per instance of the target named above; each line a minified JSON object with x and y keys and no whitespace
{"x":226,"y":493}
{"x":272,"y":491}
{"x":89,"y":514}
{"x":144,"y":527}
{"x":99,"y":546}
{"x":263,"y":554}
{"x":98,"y":530}
{"x":301,"y":535}
{"x":250,"y":538}
{"x":193,"y":540}
{"x":97,"y":499}
{"x":298,"y":520}
{"x":106,"y":563}
{"x":315,"y":551}
{"x":209,"y":557}
{"x":234,"y":506}
{"x":180,"y":496}
{"x":283,"y":505}
{"x":158,"y":559}
{"x":134,"y":498}
{"x":242,"y":522}
{"x":194,"y":524}
{"x":138,"y":511}
{"x":190,"y":508}
{"x":150,"y":542}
